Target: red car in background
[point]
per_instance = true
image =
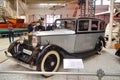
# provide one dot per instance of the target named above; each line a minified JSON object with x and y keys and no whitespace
{"x":18,"y":25}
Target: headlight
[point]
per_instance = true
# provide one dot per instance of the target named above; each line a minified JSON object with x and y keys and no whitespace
{"x":34,"y":41}
{"x":41,"y":47}
{"x":21,"y":39}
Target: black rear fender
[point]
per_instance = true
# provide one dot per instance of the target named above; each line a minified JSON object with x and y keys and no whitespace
{"x":102,"y":39}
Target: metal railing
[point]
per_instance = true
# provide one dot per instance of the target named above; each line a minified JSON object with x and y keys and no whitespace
{"x":99,"y":74}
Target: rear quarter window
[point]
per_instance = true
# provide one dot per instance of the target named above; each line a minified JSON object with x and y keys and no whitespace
{"x":94,"y":25}
{"x":102,"y":25}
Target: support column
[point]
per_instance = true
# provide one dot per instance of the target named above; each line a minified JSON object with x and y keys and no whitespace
{"x":101,"y":2}
{"x":17,"y":15}
{"x":111,"y":22}
{"x":87,"y":1}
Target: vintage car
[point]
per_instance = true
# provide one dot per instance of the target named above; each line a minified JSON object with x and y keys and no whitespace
{"x":70,"y":38}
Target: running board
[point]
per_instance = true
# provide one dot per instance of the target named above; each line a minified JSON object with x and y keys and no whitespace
{"x":82,"y":54}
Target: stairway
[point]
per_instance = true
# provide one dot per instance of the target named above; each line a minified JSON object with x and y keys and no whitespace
{"x":116,"y":19}
{"x":113,"y":28}
{"x":6,"y":9}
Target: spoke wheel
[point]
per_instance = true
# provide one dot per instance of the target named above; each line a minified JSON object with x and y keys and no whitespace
{"x":50,"y":62}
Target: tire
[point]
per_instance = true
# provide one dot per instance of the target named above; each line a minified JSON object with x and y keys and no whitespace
{"x":99,"y":46}
{"x":49,"y":63}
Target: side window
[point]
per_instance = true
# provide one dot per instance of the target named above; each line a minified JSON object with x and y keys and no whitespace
{"x":102,"y":25}
{"x":66,"y":24}
{"x":69,"y":24}
{"x":94,"y":25}
{"x":83,"y":25}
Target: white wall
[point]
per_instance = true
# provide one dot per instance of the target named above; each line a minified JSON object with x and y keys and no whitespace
{"x":66,"y":11}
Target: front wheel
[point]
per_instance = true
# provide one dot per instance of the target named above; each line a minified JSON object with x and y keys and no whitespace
{"x":49,"y":63}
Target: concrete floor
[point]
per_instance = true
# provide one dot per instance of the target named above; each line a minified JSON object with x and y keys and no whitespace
{"x":4,"y":43}
{"x":107,"y":62}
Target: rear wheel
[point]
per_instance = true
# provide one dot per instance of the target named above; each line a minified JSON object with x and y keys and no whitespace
{"x":50,"y":62}
{"x":99,"y":46}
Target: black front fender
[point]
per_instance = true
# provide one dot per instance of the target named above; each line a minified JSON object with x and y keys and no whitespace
{"x":47,"y":48}
{"x":11,"y":46}
{"x":63,"y":53}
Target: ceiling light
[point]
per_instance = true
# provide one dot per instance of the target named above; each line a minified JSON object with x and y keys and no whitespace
{"x":43,"y":4}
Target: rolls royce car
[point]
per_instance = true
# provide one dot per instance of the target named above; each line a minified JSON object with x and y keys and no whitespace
{"x":70,"y":38}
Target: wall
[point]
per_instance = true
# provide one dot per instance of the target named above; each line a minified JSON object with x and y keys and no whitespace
{"x":67,"y":11}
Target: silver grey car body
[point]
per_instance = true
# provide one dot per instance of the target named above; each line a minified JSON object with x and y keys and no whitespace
{"x":72,"y":39}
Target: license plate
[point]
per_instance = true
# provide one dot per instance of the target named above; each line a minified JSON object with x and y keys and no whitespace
{"x":27,"y":51}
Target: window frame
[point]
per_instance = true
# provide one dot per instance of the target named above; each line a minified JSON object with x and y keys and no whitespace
{"x":104,"y":26}
{"x":63,"y":27}
{"x":95,"y":24}
{"x":78,"y":25}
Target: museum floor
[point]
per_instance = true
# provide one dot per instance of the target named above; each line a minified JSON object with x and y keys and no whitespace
{"x":107,"y":62}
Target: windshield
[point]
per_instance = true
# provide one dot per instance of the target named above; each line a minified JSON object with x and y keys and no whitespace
{"x":65,"y":24}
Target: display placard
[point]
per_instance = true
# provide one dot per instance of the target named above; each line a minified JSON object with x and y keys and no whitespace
{"x":73,"y":64}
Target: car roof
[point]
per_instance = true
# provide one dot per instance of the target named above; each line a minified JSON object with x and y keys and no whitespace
{"x":75,"y":18}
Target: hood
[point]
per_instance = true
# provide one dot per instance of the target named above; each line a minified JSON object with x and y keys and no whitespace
{"x":54,"y":32}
